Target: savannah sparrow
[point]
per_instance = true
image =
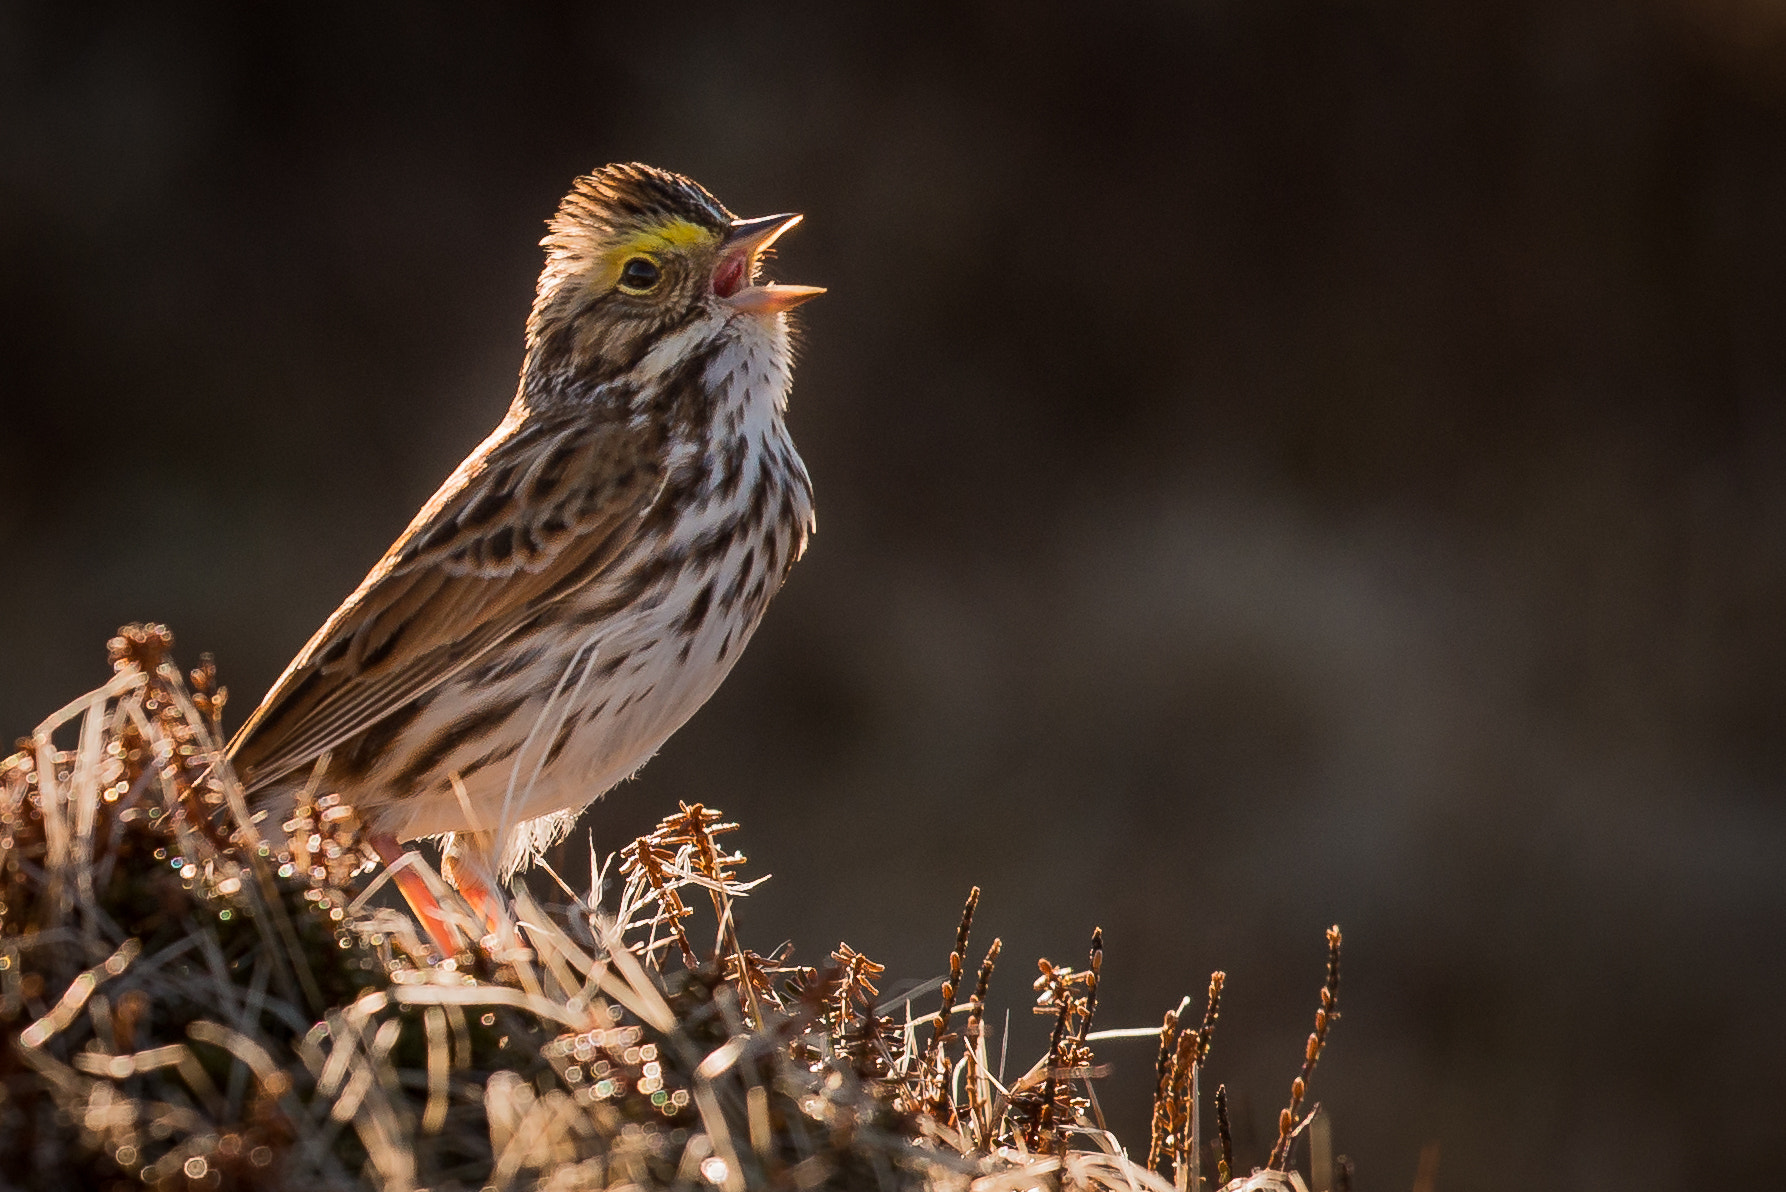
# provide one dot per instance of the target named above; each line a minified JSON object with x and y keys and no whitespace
{"x":587,"y":576}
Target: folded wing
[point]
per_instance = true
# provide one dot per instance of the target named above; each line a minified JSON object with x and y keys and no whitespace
{"x":538,"y":511}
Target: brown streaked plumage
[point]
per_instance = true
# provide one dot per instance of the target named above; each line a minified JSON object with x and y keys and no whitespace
{"x":588,"y":575}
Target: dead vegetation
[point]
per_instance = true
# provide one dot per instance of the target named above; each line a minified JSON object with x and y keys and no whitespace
{"x":191,"y":1000}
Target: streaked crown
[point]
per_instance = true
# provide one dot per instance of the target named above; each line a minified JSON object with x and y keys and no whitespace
{"x":630,"y":198}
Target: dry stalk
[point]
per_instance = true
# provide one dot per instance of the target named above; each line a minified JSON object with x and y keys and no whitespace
{"x":650,"y":861}
{"x":977,"y":1078}
{"x":1161,"y":1122}
{"x":1289,"y":1124}
{"x":1179,"y":1112}
{"x":936,"y":1066}
{"x":1224,"y":1138}
{"x":1068,"y":1053}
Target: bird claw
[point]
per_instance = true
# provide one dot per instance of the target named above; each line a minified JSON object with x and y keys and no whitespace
{"x":440,"y":926}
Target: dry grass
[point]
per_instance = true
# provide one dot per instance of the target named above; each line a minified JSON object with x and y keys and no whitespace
{"x":190,"y":1000}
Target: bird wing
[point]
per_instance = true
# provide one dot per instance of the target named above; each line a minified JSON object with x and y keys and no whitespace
{"x":536,"y":512}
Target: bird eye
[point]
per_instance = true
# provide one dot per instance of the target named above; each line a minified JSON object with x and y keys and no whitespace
{"x":639,"y":275}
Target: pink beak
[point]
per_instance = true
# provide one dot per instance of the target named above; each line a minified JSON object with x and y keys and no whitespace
{"x":738,"y":264}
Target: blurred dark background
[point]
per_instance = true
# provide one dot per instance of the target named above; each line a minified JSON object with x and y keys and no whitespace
{"x":1278,"y":463}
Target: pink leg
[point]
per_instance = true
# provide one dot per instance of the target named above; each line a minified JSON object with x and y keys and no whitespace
{"x":415,"y":891}
{"x":466,"y":865}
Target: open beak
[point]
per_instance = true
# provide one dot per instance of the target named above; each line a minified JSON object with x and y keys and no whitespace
{"x":738,"y":264}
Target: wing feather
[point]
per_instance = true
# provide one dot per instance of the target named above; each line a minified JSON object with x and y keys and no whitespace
{"x":539,"y":510}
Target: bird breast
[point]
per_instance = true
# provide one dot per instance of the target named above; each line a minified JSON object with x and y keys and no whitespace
{"x":593,"y":688}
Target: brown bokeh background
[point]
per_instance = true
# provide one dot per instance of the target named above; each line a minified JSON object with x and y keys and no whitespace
{"x":1277,"y":463}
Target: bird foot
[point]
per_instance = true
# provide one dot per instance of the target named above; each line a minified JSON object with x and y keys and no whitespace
{"x":468,"y":878}
{"x":442,"y":928}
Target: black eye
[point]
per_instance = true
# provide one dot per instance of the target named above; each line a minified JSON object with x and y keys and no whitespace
{"x":639,"y":275}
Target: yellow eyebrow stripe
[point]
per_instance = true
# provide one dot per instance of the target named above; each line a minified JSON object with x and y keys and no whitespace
{"x":676,"y":233}
{"x":671,"y":236}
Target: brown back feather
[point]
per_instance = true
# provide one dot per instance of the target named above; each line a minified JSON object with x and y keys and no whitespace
{"x":539,"y":510}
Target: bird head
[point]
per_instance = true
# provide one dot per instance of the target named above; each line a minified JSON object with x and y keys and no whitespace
{"x":636,"y":254}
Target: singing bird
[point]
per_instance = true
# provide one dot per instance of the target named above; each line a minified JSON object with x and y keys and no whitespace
{"x":584,"y":580}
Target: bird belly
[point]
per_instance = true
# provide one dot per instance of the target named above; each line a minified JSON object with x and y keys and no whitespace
{"x":591,"y":708}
